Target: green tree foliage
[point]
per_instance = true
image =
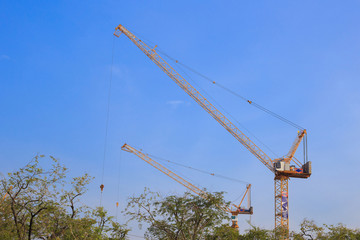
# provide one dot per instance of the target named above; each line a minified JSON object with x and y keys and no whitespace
{"x":42,"y":204}
{"x":192,"y":217}
{"x":224,"y":232}
{"x":339,"y":231}
{"x":258,"y":234}
{"x":309,"y":230}
{"x":177,"y":217}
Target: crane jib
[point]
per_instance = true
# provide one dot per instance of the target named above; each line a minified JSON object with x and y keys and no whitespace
{"x":172,"y":175}
{"x":190,"y":90}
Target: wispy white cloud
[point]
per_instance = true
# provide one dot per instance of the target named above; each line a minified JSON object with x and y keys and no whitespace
{"x":174,"y":103}
{"x":117,"y":71}
{"x":4,"y":57}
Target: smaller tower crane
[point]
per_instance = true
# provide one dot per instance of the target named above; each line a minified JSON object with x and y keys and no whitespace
{"x":234,"y":211}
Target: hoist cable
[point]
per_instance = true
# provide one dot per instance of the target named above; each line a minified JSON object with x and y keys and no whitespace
{"x":166,"y":162}
{"x":225,"y":88}
{"x":240,"y":196}
{"x":207,"y":78}
{"x":199,"y":170}
{"x":249,"y":198}
{"x":168,"y":167}
{"x":206,"y":187}
{"x":234,"y":93}
{"x":224,"y":110}
{"x":182,"y":175}
{"x":258,"y":106}
{"x":118,"y":186}
{"x":107,"y":122}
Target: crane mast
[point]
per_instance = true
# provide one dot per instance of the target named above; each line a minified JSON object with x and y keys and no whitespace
{"x":238,"y":210}
{"x":280,"y":167}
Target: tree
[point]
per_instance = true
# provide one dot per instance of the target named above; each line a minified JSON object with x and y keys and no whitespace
{"x":106,"y":226}
{"x":309,"y":230}
{"x":32,"y":193}
{"x":224,"y":232}
{"x":43,"y":204}
{"x":339,"y":231}
{"x":177,"y":217}
{"x":257,"y":233}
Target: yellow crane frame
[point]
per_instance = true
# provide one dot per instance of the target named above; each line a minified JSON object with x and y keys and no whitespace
{"x":189,"y":185}
{"x":281,"y":176}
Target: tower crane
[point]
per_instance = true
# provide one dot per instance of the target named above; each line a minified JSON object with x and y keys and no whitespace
{"x":283,"y":168}
{"x":234,"y":211}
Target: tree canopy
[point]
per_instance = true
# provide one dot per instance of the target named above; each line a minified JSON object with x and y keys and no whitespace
{"x":177,"y":217}
{"x":42,"y":203}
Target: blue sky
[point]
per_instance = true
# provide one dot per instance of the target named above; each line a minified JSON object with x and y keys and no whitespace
{"x":299,"y":59}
